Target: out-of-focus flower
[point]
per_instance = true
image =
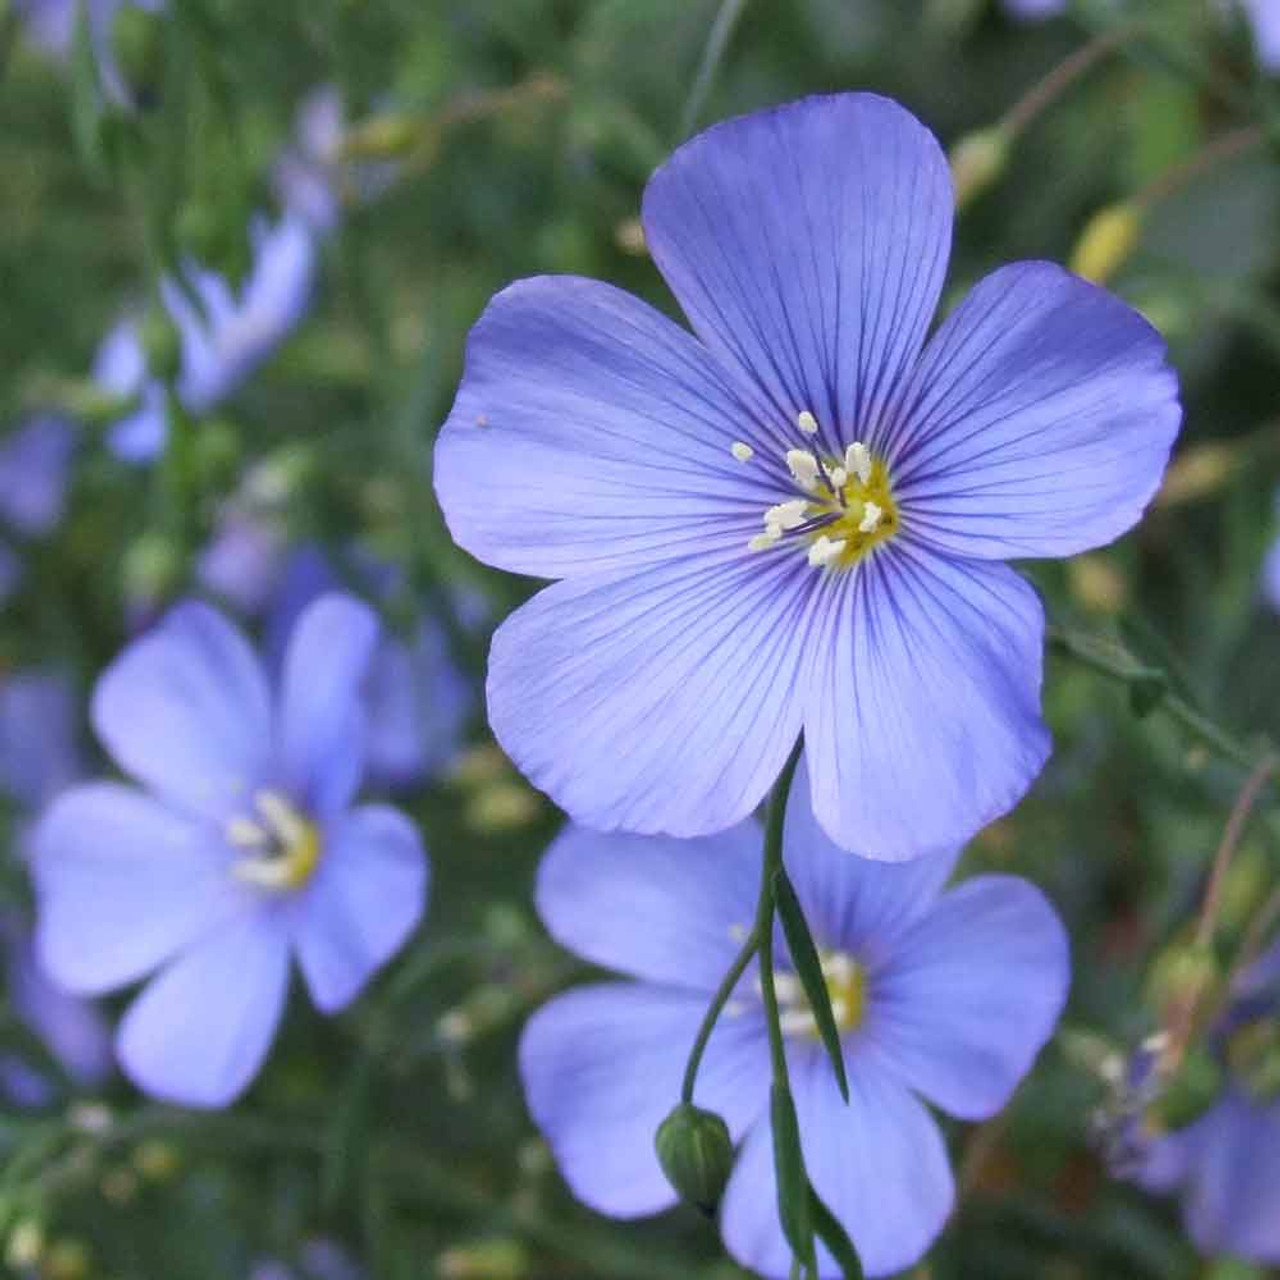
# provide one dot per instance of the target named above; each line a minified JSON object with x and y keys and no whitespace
{"x":796,"y":519}
{"x":307,"y":174}
{"x":1032,"y":10}
{"x":39,"y":737}
{"x":1264,"y":21}
{"x":947,"y":996}
{"x":222,"y":343}
{"x":1226,"y":1165}
{"x":418,"y":700}
{"x":242,"y":850}
{"x":35,"y":464}
{"x":319,"y":1259}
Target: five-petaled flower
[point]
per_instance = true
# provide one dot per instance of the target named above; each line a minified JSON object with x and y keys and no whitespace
{"x":795,"y":520}
{"x":243,"y":850}
{"x":946,"y":995}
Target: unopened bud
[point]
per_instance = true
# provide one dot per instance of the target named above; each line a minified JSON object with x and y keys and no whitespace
{"x":1107,"y":241}
{"x":387,"y":137}
{"x":156,"y":1161}
{"x":161,"y":343}
{"x":137,"y":41}
{"x":484,"y":1260}
{"x":1184,"y":974}
{"x":24,"y":1246}
{"x":696,"y":1153}
{"x":151,"y":569}
{"x":66,"y":1260}
{"x":977,"y":160}
{"x":1187,"y":1094}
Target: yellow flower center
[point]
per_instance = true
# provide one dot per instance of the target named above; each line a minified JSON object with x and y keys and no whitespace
{"x":281,"y":848}
{"x":846,"y":989}
{"x":861,"y":514}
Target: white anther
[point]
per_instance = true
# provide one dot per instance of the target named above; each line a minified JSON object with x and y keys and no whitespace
{"x":857,"y":458}
{"x":281,"y":817}
{"x":743,"y":452}
{"x":824,"y":550}
{"x":870,"y":521}
{"x":838,"y":476}
{"x":245,"y":834}
{"x":807,"y":423}
{"x":763,"y":541}
{"x":786,"y":515}
{"x":803,"y":467}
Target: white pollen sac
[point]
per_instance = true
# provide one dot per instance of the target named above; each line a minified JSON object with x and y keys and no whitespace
{"x":807,"y":423}
{"x":763,"y":541}
{"x":857,"y":458}
{"x":786,"y":515}
{"x":824,"y":550}
{"x":838,"y":477}
{"x":743,"y":452}
{"x":870,"y":521}
{"x":803,"y":467}
{"x":245,"y":834}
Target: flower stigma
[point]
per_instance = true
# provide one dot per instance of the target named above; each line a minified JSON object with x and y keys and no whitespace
{"x":846,"y":988}
{"x":847,"y":508}
{"x":281,"y":848}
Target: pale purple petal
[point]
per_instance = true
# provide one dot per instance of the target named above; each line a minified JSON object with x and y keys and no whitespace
{"x":11,"y":571}
{"x":1038,"y":422}
{"x":39,"y":736}
{"x":322,"y":715}
{"x":139,"y":437}
{"x":35,"y":466}
{"x":924,"y":722}
{"x":970,"y":996}
{"x":199,"y":1032}
{"x":186,"y":711}
{"x":808,"y":245}
{"x":1271,"y":576}
{"x":242,"y":562}
{"x":853,"y":903}
{"x":664,"y":701}
{"x":591,"y":433}
{"x":1031,"y":10}
{"x":1264,"y":17}
{"x":670,"y":911}
{"x":364,"y":900}
{"x":602,"y":1067}
{"x":120,"y":365}
{"x":122,"y":884}
{"x":879,"y":1164}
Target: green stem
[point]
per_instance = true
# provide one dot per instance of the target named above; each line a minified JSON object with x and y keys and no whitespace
{"x":765,"y":909}
{"x":717,"y":43}
{"x":712,"y":1015}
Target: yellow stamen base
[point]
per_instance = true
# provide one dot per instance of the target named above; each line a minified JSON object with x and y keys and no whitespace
{"x":868,"y":518}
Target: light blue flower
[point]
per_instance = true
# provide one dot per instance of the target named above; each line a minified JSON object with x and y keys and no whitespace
{"x":222,"y":343}
{"x":239,"y":849}
{"x":35,"y":467}
{"x":946,"y":995}
{"x":796,"y":519}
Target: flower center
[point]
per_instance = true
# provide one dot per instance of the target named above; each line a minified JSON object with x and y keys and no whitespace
{"x":280,"y":847}
{"x":846,"y":989}
{"x":846,"y":508}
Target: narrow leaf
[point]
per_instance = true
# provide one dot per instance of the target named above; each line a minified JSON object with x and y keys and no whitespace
{"x":833,"y":1235}
{"x":86,"y":93}
{"x":804,"y":955}
{"x":793,"y":1183}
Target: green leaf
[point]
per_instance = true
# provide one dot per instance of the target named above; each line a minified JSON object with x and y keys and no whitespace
{"x":793,"y":1183}
{"x":86,"y":93}
{"x":804,"y":955}
{"x":833,"y":1235}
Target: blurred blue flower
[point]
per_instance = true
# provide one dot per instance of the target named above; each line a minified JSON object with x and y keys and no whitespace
{"x":796,"y":519}
{"x":242,"y":849}
{"x":307,"y":174}
{"x":39,"y":757}
{"x":1226,"y":1165}
{"x":222,"y":344}
{"x":1031,"y":10}
{"x":1264,"y":18}
{"x":35,"y":466}
{"x":949,"y":995}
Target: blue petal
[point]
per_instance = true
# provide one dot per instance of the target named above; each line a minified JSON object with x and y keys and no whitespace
{"x":879,"y":1163}
{"x":808,"y":245}
{"x":590,"y":433}
{"x":670,"y":911}
{"x":186,"y":711}
{"x":39,"y":736}
{"x":35,"y":465}
{"x":120,"y":368}
{"x":970,"y":996}
{"x":853,"y":903}
{"x":367,"y":895}
{"x":123,"y":883}
{"x":200,"y":1031}
{"x":923,"y":724}
{"x":322,"y":713}
{"x":1264,"y":17}
{"x":1038,"y":422}
{"x":602,"y":1067}
{"x":664,"y":701}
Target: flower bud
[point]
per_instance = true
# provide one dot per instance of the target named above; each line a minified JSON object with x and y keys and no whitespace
{"x":1184,"y":974}
{"x":484,"y":1260}
{"x":161,"y":343}
{"x":977,"y":160}
{"x":1189,"y":1092}
{"x":1107,"y":241}
{"x":137,"y":41}
{"x":696,"y":1154}
{"x":25,"y":1245}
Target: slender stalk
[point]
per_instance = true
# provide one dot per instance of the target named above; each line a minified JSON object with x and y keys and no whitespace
{"x":712,"y":1015}
{"x":1183,"y":174}
{"x":717,"y":44}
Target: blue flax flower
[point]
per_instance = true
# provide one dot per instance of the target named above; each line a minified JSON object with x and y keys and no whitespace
{"x":35,"y":466}
{"x":1226,"y":1165}
{"x":222,"y":343}
{"x":242,"y":850}
{"x":945,"y":995}
{"x":797,"y":518}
